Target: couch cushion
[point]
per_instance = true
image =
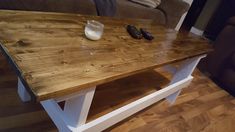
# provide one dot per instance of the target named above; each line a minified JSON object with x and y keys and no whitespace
{"x":173,"y":9}
{"x":127,"y":9}
{"x":66,"y":6}
{"x":105,"y":7}
{"x":148,"y":3}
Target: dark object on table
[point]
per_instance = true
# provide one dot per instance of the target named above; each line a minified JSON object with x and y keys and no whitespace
{"x":146,"y":34}
{"x":134,"y":32}
{"x":220,"y":63}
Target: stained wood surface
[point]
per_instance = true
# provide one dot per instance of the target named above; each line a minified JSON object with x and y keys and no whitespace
{"x":53,"y":57}
{"x":203,"y":106}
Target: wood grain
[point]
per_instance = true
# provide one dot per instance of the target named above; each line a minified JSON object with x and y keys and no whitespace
{"x":53,"y":58}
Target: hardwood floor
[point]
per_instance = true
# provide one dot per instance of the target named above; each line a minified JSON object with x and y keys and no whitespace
{"x":201,"y":107}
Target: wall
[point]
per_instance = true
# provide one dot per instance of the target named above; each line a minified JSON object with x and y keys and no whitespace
{"x":206,"y":14}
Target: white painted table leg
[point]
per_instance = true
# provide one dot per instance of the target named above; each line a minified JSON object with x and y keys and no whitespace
{"x":22,"y":92}
{"x":172,"y":98}
{"x":185,"y":70}
{"x":76,"y":109}
{"x":56,"y":114}
{"x":170,"y":69}
{"x":74,"y":113}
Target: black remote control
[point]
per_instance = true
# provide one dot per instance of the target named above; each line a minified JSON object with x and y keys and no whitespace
{"x":146,"y":34}
{"x":134,"y":32}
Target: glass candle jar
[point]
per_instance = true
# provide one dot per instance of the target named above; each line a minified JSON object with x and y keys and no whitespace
{"x":94,"y":30}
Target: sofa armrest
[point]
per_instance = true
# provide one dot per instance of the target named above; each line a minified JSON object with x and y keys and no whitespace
{"x":224,"y":48}
{"x":128,"y":9}
{"x":173,"y":10}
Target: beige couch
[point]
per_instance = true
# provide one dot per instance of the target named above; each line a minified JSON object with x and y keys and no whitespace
{"x":66,"y":6}
{"x":168,"y":12}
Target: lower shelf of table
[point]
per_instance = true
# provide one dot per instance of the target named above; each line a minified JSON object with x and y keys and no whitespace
{"x":116,"y":94}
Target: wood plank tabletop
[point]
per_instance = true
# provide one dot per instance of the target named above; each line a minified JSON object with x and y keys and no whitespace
{"x":53,"y":58}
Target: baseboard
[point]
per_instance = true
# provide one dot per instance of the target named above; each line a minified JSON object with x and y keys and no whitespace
{"x":196,"y":31}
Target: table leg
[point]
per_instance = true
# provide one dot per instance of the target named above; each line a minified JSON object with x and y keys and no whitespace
{"x":76,"y":109}
{"x":73,"y":117}
{"x":185,"y":70}
{"x":22,"y":92}
{"x":73,"y":114}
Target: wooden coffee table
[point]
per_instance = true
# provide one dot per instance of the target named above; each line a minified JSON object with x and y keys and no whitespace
{"x":55,"y":62}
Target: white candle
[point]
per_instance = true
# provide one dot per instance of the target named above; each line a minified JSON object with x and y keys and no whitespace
{"x":91,"y":34}
{"x":94,"y":30}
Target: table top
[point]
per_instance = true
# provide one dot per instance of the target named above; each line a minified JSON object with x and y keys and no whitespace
{"x":53,"y":58}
